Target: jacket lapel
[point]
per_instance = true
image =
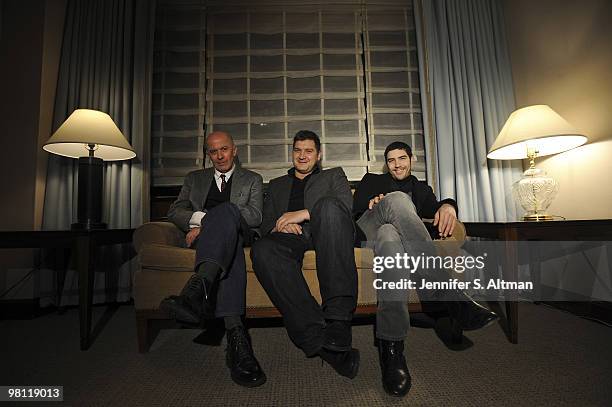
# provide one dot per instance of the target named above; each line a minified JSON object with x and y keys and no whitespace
{"x":207,"y":180}
{"x":308,"y":194}
{"x":236,"y":190}
{"x":284,"y":193}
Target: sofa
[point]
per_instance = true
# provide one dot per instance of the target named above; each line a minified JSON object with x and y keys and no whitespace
{"x":165,"y":265}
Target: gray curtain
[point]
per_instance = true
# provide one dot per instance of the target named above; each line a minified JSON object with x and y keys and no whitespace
{"x":106,"y":64}
{"x":470,"y":81}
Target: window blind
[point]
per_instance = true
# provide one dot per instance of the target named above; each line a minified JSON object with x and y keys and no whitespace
{"x":179,"y":89}
{"x":273,"y":73}
{"x":392,"y":83}
{"x":348,"y":72}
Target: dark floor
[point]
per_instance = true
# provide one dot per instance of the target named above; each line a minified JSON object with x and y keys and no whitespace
{"x":560,"y":360}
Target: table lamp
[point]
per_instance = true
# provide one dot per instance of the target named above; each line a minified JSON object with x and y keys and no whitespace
{"x":530,"y":132}
{"x":92,"y":137}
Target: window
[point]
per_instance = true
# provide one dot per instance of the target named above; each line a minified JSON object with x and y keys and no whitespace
{"x":263,"y":73}
{"x":179,"y":89}
{"x":392,"y":82}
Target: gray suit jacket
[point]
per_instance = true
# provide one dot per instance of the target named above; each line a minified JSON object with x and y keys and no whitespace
{"x":331,"y":183}
{"x":246,"y":194}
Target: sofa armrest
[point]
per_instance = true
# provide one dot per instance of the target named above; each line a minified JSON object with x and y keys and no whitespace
{"x":161,"y":233}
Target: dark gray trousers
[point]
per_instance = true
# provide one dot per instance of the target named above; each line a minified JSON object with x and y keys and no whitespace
{"x":277,"y":261}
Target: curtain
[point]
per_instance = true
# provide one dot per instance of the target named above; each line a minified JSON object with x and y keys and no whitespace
{"x":105,"y":65}
{"x":470,"y":83}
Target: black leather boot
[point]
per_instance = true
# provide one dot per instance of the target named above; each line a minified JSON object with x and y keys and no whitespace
{"x":396,"y":378}
{"x":469,"y":314}
{"x":338,"y":335}
{"x":344,"y":363}
{"x":187,"y":307}
{"x":244,"y":368}
{"x":195,"y":302}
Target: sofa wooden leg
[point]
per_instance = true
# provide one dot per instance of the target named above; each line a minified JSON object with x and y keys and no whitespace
{"x":143,"y":332}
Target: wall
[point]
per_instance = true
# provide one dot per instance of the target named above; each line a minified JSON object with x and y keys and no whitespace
{"x":20,"y":76}
{"x":561,"y":56}
{"x":30,"y":42}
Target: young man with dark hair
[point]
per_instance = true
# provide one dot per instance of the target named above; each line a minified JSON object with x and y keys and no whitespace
{"x":218,"y":208}
{"x":389,"y":208}
{"x":310,"y":208}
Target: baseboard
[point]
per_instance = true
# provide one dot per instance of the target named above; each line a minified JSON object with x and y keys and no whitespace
{"x":579,"y":305}
{"x":27,"y":308}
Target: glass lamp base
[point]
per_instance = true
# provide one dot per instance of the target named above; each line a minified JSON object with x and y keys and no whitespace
{"x":537,"y":217}
{"x":534,"y":192}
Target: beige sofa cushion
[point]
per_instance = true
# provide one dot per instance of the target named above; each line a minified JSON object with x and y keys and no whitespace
{"x":160,"y":257}
{"x":165,"y":270}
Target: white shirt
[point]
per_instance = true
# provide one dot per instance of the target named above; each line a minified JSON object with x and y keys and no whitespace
{"x":196,"y":218}
{"x":227,"y":176}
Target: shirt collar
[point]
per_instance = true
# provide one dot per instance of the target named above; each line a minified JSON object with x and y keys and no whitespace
{"x":227,"y":174}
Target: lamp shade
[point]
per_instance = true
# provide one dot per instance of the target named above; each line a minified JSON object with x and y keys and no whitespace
{"x":85,"y":127}
{"x":536,"y":127}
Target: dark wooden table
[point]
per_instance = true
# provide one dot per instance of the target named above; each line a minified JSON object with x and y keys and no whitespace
{"x":83,"y":244}
{"x":561,"y":230}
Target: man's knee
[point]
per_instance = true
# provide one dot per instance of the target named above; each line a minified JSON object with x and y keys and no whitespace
{"x":398,"y":199}
{"x":330,"y":205}
{"x":397,"y":203}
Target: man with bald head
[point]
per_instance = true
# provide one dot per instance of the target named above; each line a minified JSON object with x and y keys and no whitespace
{"x":219,"y":209}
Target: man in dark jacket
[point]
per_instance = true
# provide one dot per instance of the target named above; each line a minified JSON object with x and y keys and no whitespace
{"x":310,"y":208}
{"x":389,"y":208}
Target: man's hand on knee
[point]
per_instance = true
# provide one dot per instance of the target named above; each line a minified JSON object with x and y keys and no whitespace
{"x":374,"y":201}
{"x":445,"y":220}
{"x":191,"y":236}
{"x":293,"y":228}
{"x":296,"y":217}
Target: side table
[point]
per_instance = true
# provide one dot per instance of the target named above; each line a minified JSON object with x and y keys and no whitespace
{"x":83,"y":244}
{"x":561,"y":230}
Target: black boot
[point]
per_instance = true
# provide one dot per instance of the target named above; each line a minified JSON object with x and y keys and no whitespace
{"x":244,"y":368}
{"x":338,"y":336}
{"x":344,"y":363}
{"x":395,"y":375}
{"x":187,"y":307}
{"x":469,"y":314}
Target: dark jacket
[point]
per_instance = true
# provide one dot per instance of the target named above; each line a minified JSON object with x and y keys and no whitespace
{"x":326,"y":183}
{"x":423,"y":197}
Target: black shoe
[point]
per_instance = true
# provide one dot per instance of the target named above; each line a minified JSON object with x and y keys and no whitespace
{"x":209,"y":298}
{"x":396,"y":378}
{"x":188,"y":306}
{"x":449,"y":330}
{"x":469,"y":314}
{"x":344,"y":363}
{"x":338,"y":336}
{"x":239,"y":357}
